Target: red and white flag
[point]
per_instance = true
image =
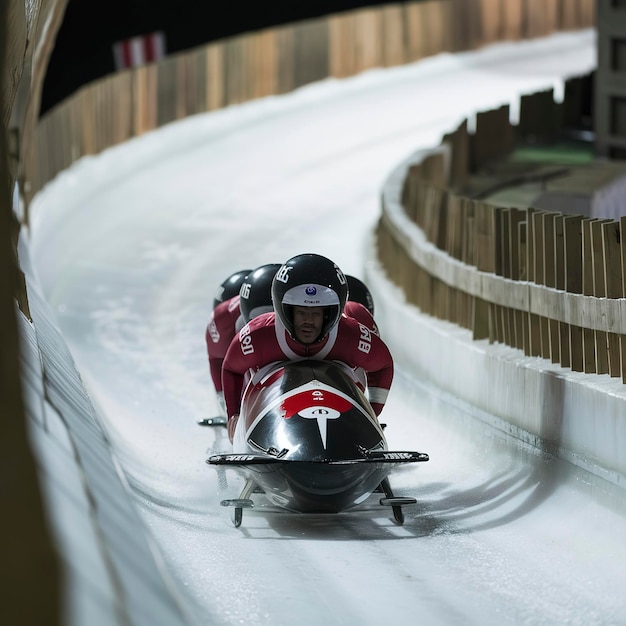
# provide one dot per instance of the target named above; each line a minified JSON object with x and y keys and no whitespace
{"x":139,"y":50}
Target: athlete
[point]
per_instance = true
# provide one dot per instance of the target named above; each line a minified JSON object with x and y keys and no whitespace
{"x":229,"y":287}
{"x":360,"y":304}
{"x":255,"y":295}
{"x":359,"y":292}
{"x":309,"y":293}
{"x":232,"y":313}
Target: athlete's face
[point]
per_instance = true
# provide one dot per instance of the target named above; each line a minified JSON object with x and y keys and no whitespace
{"x":307,"y":323}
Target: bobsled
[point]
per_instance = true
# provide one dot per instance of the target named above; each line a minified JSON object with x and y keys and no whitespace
{"x":309,"y":441}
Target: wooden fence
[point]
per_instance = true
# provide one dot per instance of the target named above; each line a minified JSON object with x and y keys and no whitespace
{"x":548,"y":283}
{"x":276,"y":61}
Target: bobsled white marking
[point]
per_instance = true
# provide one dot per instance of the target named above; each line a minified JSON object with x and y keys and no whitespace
{"x":322,"y":415}
{"x":318,"y":404}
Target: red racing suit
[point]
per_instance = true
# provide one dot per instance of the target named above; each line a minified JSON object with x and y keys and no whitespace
{"x":361,"y":314}
{"x":224,"y":323}
{"x":265,"y":340}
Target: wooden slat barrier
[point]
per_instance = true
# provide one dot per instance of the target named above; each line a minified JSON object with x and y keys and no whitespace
{"x":540,"y":116}
{"x":494,"y":137}
{"x":549,"y":284}
{"x":279,"y":60}
{"x":562,"y":253}
{"x":458,"y":143}
{"x":613,"y":284}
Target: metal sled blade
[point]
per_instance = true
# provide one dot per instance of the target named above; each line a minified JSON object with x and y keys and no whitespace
{"x":395,"y":502}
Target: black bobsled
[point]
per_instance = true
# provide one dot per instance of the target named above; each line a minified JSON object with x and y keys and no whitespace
{"x":312,"y":442}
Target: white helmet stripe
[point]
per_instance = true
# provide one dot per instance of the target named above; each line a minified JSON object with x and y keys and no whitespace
{"x":311,"y":295}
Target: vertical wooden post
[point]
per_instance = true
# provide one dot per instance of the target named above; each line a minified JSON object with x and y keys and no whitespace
{"x":504,"y":269}
{"x":512,"y":268}
{"x":613,"y":283}
{"x":534,"y":248}
{"x":550,"y":279}
{"x":455,"y":225}
{"x":394,"y":51}
{"x":484,"y":259}
{"x":573,"y":252}
{"x":524,"y":316}
{"x":563,"y":331}
{"x":599,"y":291}
{"x":589,"y":347}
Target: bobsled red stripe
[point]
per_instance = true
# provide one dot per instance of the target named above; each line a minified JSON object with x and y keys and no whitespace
{"x":312,"y":398}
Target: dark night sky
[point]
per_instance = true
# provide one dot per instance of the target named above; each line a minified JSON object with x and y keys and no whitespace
{"x":83,"y":49}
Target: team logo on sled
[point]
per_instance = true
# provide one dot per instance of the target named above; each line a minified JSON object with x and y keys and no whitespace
{"x":316,"y":404}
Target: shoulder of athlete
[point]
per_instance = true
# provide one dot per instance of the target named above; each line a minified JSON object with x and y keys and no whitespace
{"x":226,"y":307}
{"x":355,"y":309}
{"x":232,"y":304}
{"x":352,"y":332}
{"x":265,"y":320}
{"x":226,"y":313}
{"x":250,"y":341}
{"x":361,"y":314}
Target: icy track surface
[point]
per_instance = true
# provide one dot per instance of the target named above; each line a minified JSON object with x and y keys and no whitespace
{"x":129,"y":248}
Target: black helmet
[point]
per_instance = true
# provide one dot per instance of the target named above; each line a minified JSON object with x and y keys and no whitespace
{"x":230,"y":287}
{"x":309,"y":280}
{"x":358,"y":292}
{"x":255,"y":295}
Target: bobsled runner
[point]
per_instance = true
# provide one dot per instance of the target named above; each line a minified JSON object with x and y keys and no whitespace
{"x":309,"y":440}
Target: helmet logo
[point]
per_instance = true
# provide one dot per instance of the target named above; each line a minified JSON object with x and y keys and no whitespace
{"x":310,"y":290}
{"x":245,"y":291}
{"x":283,"y":273}
{"x":341,"y":276}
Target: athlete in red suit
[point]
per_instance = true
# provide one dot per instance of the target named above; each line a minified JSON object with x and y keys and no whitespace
{"x":229,"y":316}
{"x":361,"y":314}
{"x":224,"y":323}
{"x":309,"y":293}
